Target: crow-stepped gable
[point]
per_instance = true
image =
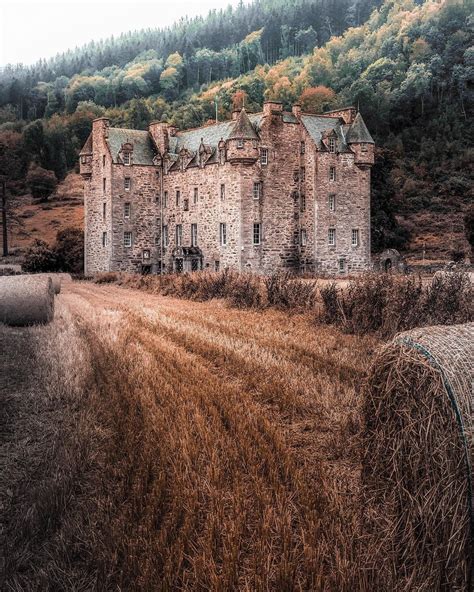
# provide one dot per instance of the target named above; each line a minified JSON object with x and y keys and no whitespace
{"x":263,"y":192}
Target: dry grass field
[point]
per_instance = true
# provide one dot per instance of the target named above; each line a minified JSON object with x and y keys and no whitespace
{"x":152,"y":443}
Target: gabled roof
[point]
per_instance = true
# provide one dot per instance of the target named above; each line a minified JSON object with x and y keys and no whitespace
{"x":143,"y":149}
{"x":317,"y":126}
{"x":87,"y":148}
{"x":358,"y":132}
{"x":243,"y":128}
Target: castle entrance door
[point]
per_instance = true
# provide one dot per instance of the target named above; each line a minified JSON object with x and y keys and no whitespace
{"x":178,"y":264}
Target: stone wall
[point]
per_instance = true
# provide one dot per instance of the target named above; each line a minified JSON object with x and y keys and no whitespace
{"x":98,"y":203}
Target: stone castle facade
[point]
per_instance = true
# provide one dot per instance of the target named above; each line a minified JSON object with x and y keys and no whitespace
{"x":262,"y":192}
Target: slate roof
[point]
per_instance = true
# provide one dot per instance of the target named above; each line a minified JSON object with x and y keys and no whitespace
{"x":87,"y":148}
{"x":358,"y":132}
{"x":317,"y":125}
{"x":211,"y":134}
{"x":243,"y":128}
{"x":143,"y":149}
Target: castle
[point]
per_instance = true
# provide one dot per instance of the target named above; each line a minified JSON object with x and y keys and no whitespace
{"x":263,"y":192}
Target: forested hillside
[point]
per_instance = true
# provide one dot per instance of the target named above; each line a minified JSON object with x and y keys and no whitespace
{"x":407,"y":65}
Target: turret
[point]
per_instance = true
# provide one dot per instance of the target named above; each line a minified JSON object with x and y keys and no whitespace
{"x":360,"y":142}
{"x":85,"y":159}
{"x":242,"y":143}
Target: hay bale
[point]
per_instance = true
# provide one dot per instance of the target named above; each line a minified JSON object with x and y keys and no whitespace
{"x":417,"y":465}
{"x":26,"y":300}
{"x":57,"y":279}
{"x":10,"y":269}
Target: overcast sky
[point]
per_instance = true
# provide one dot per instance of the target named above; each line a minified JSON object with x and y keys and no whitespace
{"x":34,"y":29}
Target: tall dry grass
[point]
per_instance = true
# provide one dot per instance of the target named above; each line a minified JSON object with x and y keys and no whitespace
{"x":191,"y":447}
{"x":379,"y":303}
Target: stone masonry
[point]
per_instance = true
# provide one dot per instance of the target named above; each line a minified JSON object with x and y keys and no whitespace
{"x":263,"y":192}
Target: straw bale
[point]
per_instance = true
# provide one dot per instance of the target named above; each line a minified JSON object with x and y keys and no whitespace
{"x":26,"y":300}
{"x":417,"y":465}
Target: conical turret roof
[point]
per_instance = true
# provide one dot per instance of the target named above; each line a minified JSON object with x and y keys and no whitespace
{"x":243,"y":128}
{"x":358,"y":132}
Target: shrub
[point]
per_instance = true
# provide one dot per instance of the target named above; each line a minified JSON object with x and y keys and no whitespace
{"x":41,"y":182}
{"x":40,"y":257}
{"x":288,"y":293}
{"x":69,"y":249}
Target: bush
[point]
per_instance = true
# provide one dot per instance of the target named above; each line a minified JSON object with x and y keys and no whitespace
{"x":69,"y":249}
{"x":41,"y":182}
{"x":288,"y":293}
{"x":67,"y":253}
{"x":40,"y":257}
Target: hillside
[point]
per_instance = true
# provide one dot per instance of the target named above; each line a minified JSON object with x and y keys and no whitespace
{"x":407,"y":65}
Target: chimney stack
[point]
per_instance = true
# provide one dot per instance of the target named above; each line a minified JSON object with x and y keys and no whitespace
{"x":160,"y":132}
{"x":272,"y":108}
{"x":296,"y":110}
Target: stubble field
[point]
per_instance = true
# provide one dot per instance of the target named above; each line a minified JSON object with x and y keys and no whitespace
{"x":162,"y":444}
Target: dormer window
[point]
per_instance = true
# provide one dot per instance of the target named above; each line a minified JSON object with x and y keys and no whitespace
{"x":332,"y":144}
{"x":240,"y":143}
{"x":127,"y":158}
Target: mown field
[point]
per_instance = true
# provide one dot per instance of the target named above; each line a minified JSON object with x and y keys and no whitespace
{"x":151,"y":443}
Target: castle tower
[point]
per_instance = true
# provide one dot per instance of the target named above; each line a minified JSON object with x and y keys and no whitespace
{"x":242,"y":143}
{"x":361,"y":143}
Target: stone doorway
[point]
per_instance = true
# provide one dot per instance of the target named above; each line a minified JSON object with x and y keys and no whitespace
{"x":178,"y":265}
{"x":187,"y":259}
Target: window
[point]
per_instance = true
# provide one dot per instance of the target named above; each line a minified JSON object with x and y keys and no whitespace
{"x":332,"y":237}
{"x":127,"y":239}
{"x":178,"y":196}
{"x":302,"y":147}
{"x":127,"y":183}
{"x":179,"y":235}
{"x":196,"y":195}
{"x":165,"y":199}
{"x":222,"y":191}
{"x":355,"y":237}
{"x":103,"y":160}
{"x":104,"y":184}
{"x":303,"y":202}
{"x":104,"y":211}
{"x":264,"y":156}
{"x":146,"y":253}
{"x":83,"y":159}
{"x":257,"y":190}
{"x":104,"y":239}
{"x":126,"y":158}
{"x":127,"y":210}
{"x":332,"y":203}
{"x":216,"y":265}
{"x":302,"y":173}
{"x":194,"y":235}
{"x":165,"y":236}
{"x":342,"y":265}
{"x":257,"y":233}
{"x":332,"y":173}
{"x":223,"y":234}
{"x":332,"y":144}
{"x":363,"y":148}
{"x":303,"y":237}
{"x":186,"y":205}
{"x":240,"y":143}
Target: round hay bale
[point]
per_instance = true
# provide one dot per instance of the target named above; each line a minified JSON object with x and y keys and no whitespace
{"x":55,"y":279}
{"x":417,"y":464}
{"x":26,"y":300}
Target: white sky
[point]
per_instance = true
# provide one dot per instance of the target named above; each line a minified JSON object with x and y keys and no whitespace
{"x":30,"y":30}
